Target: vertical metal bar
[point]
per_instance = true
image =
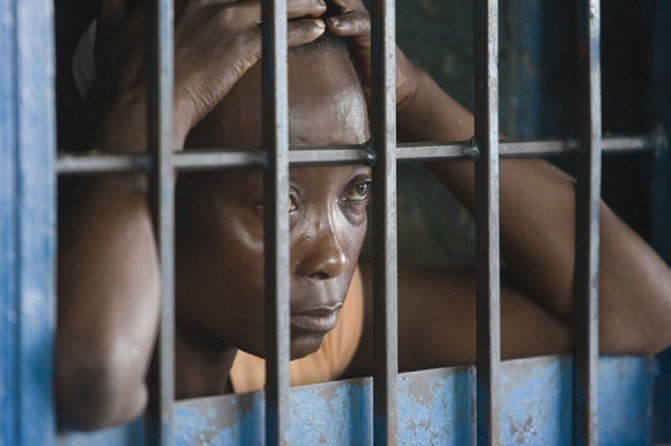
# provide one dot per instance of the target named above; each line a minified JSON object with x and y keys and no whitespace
{"x":487,"y":221}
{"x":385,"y":280}
{"x":159,"y":141}
{"x":27,"y":144}
{"x":587,"y":225}
{"x":276,"y":197}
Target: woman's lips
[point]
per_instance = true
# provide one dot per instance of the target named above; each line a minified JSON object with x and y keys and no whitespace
{"x":321,"y":319}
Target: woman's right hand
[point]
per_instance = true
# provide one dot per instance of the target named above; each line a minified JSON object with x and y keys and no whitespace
{"x":353,"y":22}
{"x":216,"y":42}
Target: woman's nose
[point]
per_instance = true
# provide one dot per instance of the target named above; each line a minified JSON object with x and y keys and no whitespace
{"x":319,"y":254}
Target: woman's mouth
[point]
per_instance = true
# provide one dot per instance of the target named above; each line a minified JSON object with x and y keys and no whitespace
{"x":321,"y":319}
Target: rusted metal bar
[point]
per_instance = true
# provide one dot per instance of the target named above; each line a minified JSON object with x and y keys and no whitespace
{"x":585,"y":382}
{"x":385,"y":286}
{"x":276,"y":214}
{"x":487,"y":222}
{"x":161,"y":188}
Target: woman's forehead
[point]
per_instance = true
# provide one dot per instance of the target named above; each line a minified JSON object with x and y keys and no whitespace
{"x":326,"y":106}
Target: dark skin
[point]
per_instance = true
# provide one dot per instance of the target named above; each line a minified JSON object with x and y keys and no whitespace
{"x":108,"y":271}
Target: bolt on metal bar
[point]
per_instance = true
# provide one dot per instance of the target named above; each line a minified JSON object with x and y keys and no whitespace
{"x":276,"y":198}
{"x":487,"y":222}
{"x":586,"y":359}
{"x":385,"y":286}
{"x":161,"y":187}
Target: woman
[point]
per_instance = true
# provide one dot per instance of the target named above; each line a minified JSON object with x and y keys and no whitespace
{"x":108,"y":285}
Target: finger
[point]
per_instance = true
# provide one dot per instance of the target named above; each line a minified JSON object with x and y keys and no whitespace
{"x":352,"y":24}
{"x":249,"y":12}
{"x":305,"y":8}
{"x":345,"y":6}
{"x":112,"y":13}
{"x":305,"y":31}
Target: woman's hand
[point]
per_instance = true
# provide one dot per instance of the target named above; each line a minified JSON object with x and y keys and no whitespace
{"x":354,"y":22}
{"x":216,"y":42}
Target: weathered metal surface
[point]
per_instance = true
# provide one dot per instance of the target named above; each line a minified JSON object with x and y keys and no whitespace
{"x":385,"y":251}
{"x":588,"y":201}
{"x":161,"y":195}
{"x":27,"y":238}
{"x":9,"y":321}
{"x":131,"y":434}
{"x":488,"y":291}
{"x":276,"y":219}
{"x":435,"y":407}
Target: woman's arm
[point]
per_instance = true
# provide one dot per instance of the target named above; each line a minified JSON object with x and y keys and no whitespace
{"x":108,"y":284}
{"x":537,"y":206}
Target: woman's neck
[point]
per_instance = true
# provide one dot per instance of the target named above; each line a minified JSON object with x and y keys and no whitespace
{"x":201,"y":369}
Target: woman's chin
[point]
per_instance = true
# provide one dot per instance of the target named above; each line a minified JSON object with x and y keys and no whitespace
{"x":305,"y":344}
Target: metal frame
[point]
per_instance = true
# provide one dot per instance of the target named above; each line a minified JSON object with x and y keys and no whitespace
{"x":384,"y":153}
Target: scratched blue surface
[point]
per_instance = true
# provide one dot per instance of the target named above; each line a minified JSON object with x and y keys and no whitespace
{"x":27,"y":138}
{"x":435,"y":407}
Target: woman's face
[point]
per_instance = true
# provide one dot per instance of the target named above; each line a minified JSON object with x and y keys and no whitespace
{"x":220,"y":289}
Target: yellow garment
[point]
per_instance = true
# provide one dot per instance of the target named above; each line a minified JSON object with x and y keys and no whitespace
{"x":248,"y":373}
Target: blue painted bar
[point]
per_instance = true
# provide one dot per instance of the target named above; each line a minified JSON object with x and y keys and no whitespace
{"x":434,"y":407}
{"x":8,"y":222}
{"x":27,"y":238}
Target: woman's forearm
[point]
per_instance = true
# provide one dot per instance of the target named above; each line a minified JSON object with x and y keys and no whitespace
{"x":108,"y":305}
{"x":537,"y":206}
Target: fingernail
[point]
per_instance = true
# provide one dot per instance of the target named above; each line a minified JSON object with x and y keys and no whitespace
{"x":320,"y":23}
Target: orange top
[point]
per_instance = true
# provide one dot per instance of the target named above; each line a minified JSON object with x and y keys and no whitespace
{"x":248,"y":373}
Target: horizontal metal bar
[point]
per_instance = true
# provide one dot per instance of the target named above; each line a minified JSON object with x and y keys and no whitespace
{"x":95,"y":162}
{"x":509,"y":148}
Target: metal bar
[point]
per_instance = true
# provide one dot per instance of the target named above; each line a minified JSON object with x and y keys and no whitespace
{"x":27,"y":222}
{"x":585,"y":389}
{"x":487,"y":222}
{"x":210,"y":159}
{"x":160,"y":145}
{"x":385,"y":286}
{"x":276,"y":198}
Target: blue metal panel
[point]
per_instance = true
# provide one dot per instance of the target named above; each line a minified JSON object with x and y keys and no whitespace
{"x":27,"y":221}
{"x":8,"y":319}
{"x":625,"y":400}
{"x":436,"y":407}
{"x":131,"y":434}
{"x":537,"y":401}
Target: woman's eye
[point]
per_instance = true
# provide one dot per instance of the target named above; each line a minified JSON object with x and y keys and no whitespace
{"x":259,"y":207}
{"x":359,"y":192}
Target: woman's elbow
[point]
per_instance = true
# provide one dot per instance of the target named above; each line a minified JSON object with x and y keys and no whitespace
{"x":93,"y":395}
